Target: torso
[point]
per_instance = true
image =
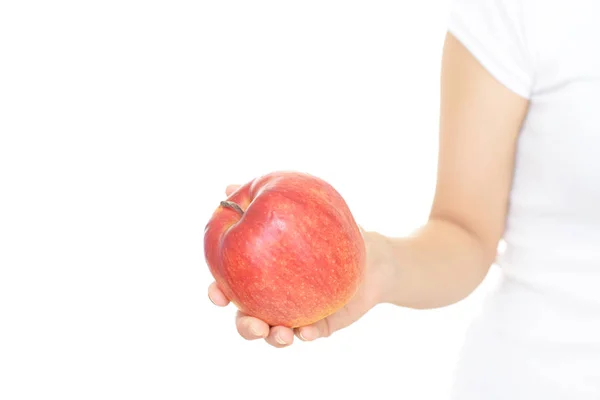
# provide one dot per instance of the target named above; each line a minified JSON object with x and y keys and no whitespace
{"x":539,"y":334}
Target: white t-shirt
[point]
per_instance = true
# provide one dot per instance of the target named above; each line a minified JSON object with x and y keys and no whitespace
{"x":539,"y":334}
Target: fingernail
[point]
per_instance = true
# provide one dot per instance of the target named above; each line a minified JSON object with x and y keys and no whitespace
{"x":254,"y":331}
{"x":310,"y":333}
{"x":211,"y":300}
{"x":279,"y":340}
{"x":301,"y":335}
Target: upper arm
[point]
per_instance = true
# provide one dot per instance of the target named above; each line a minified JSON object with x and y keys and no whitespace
{"x":480,"y":120}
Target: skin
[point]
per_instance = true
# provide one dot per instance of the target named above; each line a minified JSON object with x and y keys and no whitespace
{"x":449,"y":256}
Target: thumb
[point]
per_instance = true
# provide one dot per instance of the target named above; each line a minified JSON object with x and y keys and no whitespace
{"x":230,"y":189}
{"x":362,"y":230}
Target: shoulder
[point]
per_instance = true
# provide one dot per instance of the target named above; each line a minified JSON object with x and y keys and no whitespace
{"x":494,"y":31}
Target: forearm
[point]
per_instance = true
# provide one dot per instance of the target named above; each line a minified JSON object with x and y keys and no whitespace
{"x":438,"y":265}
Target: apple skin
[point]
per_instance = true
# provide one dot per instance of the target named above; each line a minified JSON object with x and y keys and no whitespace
{"x":290,"y":254}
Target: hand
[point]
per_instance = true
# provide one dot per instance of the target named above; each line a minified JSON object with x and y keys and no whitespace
{"x":367,"y":296}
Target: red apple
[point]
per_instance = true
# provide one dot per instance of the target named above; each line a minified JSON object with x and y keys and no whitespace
{"x":286,"y":249}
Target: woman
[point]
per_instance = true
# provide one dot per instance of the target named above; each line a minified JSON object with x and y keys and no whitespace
{"x":519,"y":160}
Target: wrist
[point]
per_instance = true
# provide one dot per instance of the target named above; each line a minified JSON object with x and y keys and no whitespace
{"x":379,"y":278}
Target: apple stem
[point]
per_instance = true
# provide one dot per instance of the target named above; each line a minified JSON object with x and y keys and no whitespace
{"x":232,"y":205}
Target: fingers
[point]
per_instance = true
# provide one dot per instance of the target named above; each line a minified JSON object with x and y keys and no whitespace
{"x":280,"y":336}
{"x":217,"y":297}
{"x":344,"y":317}
{"x":251,"y":328}
{"x":230,"y":189}
{"x":315,"y":331}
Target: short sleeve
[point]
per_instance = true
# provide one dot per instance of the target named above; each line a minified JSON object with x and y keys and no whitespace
{"x":492,"y":30}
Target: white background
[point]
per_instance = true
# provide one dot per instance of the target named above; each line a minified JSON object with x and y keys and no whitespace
{"x":122,"y":122}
